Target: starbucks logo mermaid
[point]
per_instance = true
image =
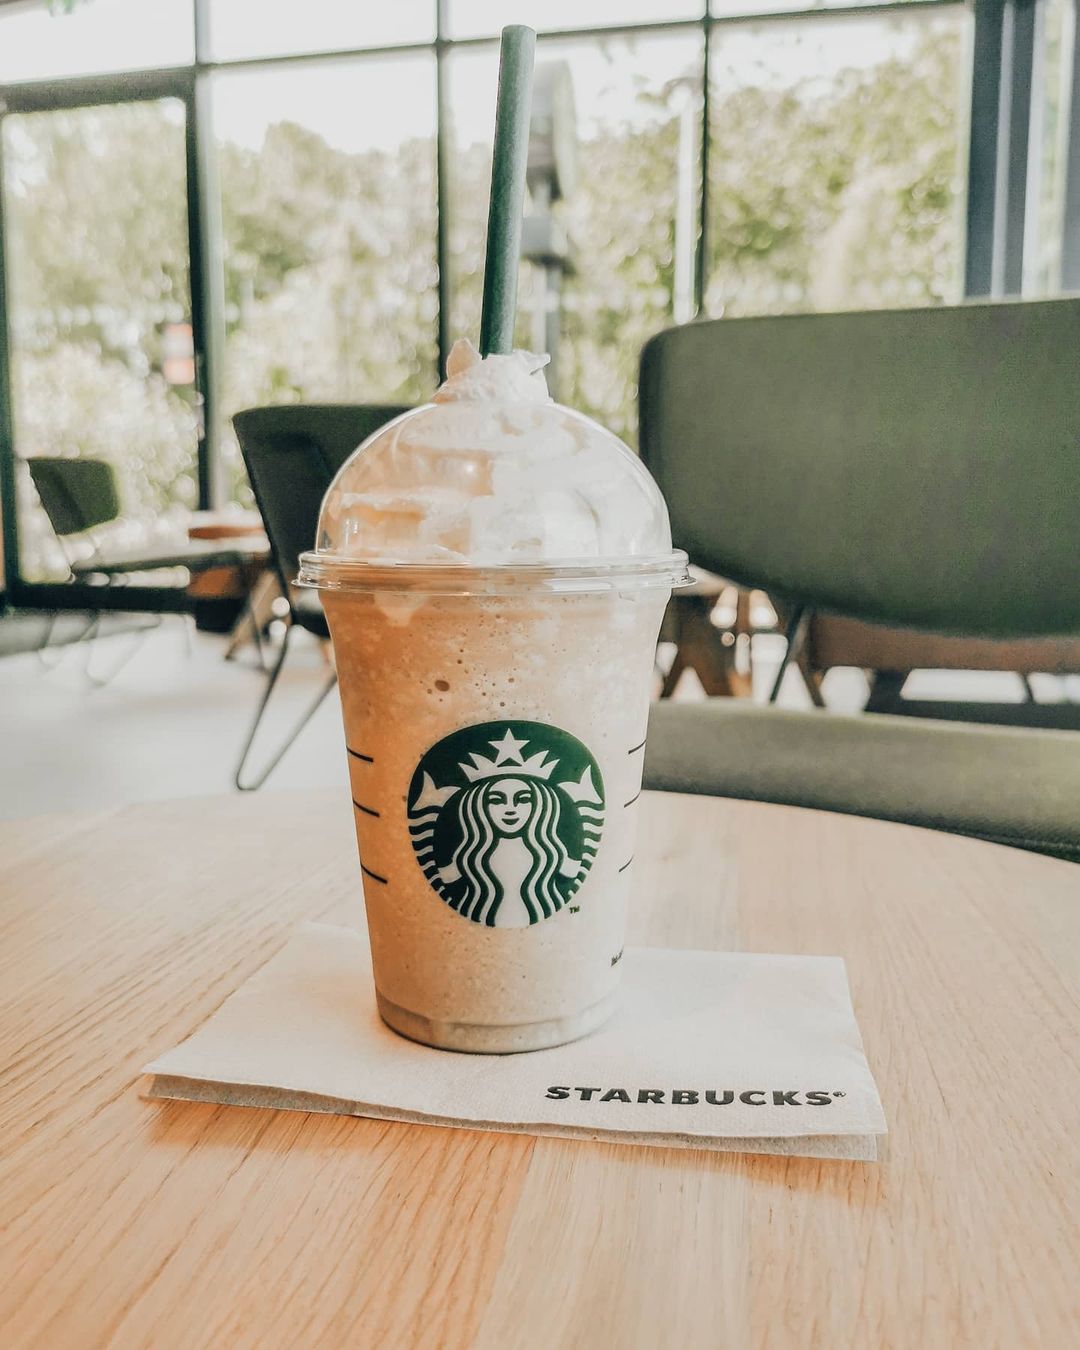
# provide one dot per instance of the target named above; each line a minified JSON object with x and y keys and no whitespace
{"x":505,"y":819}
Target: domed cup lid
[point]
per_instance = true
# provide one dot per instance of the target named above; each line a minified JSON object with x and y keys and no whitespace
{"x":490,"y":486}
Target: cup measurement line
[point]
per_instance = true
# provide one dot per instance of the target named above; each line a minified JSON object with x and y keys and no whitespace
{"x":357,"y":755}
{"x":366,"y":809}
{"x":632,"y":751}
{"x":373,"y":875}
{"x":627,"y":863}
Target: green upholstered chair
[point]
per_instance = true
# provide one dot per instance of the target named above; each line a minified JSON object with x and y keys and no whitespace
{"x":916,"y":468}
{"x":79,"y":496}
{"x":291,"y":454}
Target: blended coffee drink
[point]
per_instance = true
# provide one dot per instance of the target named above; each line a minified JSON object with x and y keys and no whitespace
{"x":494,"y":569}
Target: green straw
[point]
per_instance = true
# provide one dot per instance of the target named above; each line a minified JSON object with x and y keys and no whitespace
{"x":507,"y":204}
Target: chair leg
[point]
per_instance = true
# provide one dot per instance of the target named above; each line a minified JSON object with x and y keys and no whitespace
{"x":256,"y":634}
{"x":47,"y":632}
{"x":50,"y":663}
{"x":812,"y":679}
{"x":255,"y":607}
{"x":92,"y":635}
{"x":886,"y":692}
{"x":795,"y":634}
{"x":674,"y":675}
{"x":257,"y":612}
{"x":252,"y":785}
{"x":187,"y":622}
{"x":704,"y":649}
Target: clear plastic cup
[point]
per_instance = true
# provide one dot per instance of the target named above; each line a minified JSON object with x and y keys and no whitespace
{"x":495,"y":691}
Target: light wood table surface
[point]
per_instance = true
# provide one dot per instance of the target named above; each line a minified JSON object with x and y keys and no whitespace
{"x":138,"y":1223}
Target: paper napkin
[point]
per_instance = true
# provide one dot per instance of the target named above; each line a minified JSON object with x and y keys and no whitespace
{"x":708,"y":1050}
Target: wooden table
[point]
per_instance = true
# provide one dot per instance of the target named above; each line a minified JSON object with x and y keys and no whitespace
{"x":136,"y":1223}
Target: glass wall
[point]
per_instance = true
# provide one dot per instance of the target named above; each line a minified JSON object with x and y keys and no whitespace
{"x":482,"y":18}
{"x":99,"y":309}
{"x":1055,"y":37}
{"x":245,"y":29}
{"x":42,"y":41}
{"x":342,"y":197}
{"x":328,"y":201}
{"x":836,"y":166}
{"x":628,"y":207}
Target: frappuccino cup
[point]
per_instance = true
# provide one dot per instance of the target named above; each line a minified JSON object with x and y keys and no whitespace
{"x":494,"y":568}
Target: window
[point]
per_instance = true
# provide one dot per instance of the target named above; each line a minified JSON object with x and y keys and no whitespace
{"x":258,"y":28}
{"x":338,"y":159}
{"x":736,"y":9}
{"x":327,"y":179}
{"x":630,"y":217}
{"x":484,"y":18}
{"x":835,"y":168}
{"x":1048,"y":157}
{"x":42,"y":42}
{"x":99,"y":308}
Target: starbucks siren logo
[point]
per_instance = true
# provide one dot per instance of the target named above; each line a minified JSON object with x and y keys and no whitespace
{"x":505,"y":819}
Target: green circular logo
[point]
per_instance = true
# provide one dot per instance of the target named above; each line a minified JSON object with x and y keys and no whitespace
{"x":505,"y":820}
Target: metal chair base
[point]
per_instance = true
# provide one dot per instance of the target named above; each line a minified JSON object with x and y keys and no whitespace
{"x":253,"y":784}
{"x":88,"y":639}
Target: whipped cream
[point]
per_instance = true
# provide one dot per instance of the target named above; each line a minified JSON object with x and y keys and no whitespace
{"x":472,"y":378}
{"x":493,"y":471}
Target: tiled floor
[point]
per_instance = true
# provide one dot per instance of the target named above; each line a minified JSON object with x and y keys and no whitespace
{"x":172,"y":721}
{"x":170,"y":724}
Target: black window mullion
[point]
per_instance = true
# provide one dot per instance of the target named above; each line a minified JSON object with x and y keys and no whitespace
{"x":1017,"y":59}
{"x":207,"y":284}
{"x":701,"y":271}
{"x":9,"y":524}
{"x":983,"y":147}
{"x":200,"y":17}
{"x":1003,"y":72}
{"x":442,"y":185}
{"x":1070,"y":240}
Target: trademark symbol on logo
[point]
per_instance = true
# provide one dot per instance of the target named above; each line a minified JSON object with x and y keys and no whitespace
{"x":839,"y":1094}
{"x":574,"y":909}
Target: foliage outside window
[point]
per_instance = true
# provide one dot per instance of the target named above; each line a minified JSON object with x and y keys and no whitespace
{"x":98,"y":276}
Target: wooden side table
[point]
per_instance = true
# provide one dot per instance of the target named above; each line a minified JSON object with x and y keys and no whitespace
{"x":175,"y":1224}
{"x":701,"y":645}
{"x":228,"y":587}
